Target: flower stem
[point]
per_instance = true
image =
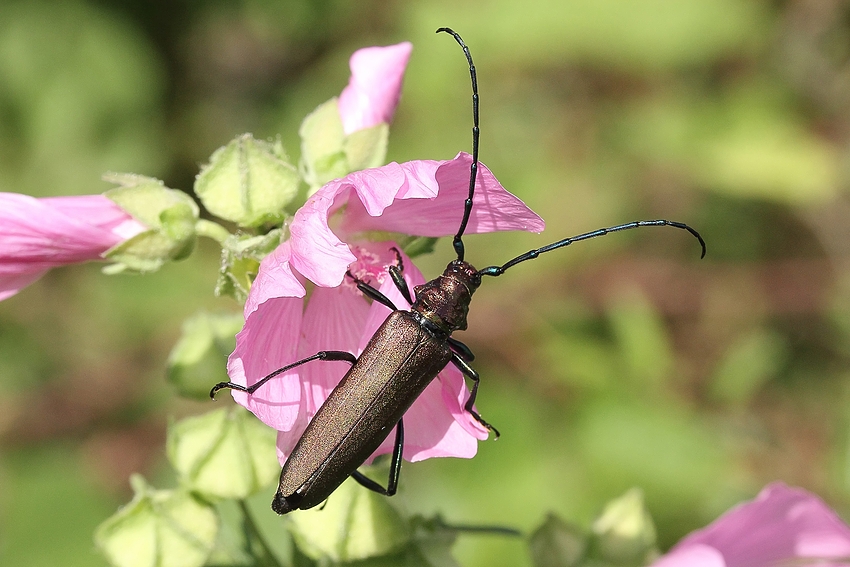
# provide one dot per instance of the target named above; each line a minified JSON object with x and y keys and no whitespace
{"x":212,"y":230}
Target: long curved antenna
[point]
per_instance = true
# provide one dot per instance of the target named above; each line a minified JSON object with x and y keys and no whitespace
{"x":531,"y":254}
{"x":473,"y":170}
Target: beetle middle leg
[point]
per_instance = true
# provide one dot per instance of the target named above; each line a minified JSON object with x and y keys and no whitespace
{"x":470,"y":372}
{"x":321,"y":355}
{"x":395,"y":467}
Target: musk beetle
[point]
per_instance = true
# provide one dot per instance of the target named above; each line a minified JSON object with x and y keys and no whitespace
{"x":408,"y":351}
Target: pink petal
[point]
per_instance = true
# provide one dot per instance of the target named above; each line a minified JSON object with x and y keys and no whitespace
{"x":494,"y":208}
{"x":420,"y":197}
{"x":317,"y":252}
{"x":269,"y":341}
{"x":274,"y":279}
{"x":39,"y":234}
{"x":374,"y":88}
{"x":782,"y":523}
{"x":693,"y":556}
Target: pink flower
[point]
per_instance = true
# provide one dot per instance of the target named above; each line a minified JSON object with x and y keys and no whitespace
{"x":419,"y":197}
{"x":39,"y":234}
{"x":782,"y":526}
{"x":374,"y":87}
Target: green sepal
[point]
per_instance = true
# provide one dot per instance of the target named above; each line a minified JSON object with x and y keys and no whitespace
{"x":170,"y":216}
{"x":159,"y":528}
{"x":248,"y":182}
{"x":557,"y":544}
{"x":354,"y":524}
{"x":415,"y":246}
{"x":323,"y":155}
{"x":225,"y":453}
{"x":199,"y":359}
{"x":241,"y":255}
{"x":367,"y":148}
{"x":624,"y":532}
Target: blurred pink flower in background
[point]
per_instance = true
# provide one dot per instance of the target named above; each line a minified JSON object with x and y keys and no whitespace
{"x":39,"y":234}
{"x":374,"y":88}
{"x":421,"y":198}
{"x":783,"y":526}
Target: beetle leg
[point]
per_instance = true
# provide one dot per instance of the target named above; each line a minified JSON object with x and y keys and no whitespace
{"x":461,"y":349}
{"x":321,"y":355}
{"x":396,"y":274}
{"x":395,"y":467}
{"x":371,"y":292}
{"x":473,"y":375}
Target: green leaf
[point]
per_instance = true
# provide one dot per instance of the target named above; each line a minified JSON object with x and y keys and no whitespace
{"x":367,"y":147}
{"x":241,"y":255}
{"x":354,"y":524}
{"x":223,"y":453}
{"x":323,"y":155}
{"x":170,"y":216}
{"x":199,"y":359}
{"x":159,"y":528}
{"x":624,"y":533}
{"x":248,"y":182}
{"x":557,"y":544}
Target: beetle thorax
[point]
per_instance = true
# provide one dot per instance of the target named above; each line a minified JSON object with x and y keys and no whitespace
{"x":444,"y":301}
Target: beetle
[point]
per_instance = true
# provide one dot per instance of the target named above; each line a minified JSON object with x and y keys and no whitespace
{"x":403,"y":356}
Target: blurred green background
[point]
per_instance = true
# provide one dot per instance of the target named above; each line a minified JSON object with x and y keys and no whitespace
{"x":620,"y":362}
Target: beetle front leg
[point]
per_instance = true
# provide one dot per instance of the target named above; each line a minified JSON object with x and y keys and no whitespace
{"x":395,"y":467}
{"x":321,"y":355}
{"x":371,"y":292}
{"x":397,"y":277}
{"x":470,"y":372}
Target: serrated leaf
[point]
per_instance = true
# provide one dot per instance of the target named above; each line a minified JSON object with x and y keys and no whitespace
{"x":199,"y":359}
{"x":248,"y":181}
{"x":354,"y":524}
{"x":367,"y":147}
{"x":224,"y":453}
{"x":159,"y":528}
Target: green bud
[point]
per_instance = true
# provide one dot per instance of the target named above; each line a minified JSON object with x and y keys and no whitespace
{"x":170,"y":216}
{"x":367,"y":147}
{"x":223,"y":453}
{"x":624,"y":532}
{"x":323,"y":155}
{"x":248,"y":182}
{"x":241,"y":255}
{"x":354,"y":524}
{"x":557,"y":544}
{"x":158,"y":528}
{"x":199,"y":359}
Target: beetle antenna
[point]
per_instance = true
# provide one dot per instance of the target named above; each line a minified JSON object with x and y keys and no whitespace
{"x":531,"y":254}
{"x":473,"y":170}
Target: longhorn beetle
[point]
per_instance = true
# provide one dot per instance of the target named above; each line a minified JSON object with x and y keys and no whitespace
{"x":406,"y":352}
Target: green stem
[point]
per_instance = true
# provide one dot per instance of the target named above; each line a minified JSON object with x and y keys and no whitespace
{"x":212,"y":230}
{"x":256,"y":542}
{"x":493,"y":530}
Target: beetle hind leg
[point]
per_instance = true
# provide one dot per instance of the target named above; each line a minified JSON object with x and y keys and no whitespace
{"x":470,"y":372}
{"x":395,"y":467}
